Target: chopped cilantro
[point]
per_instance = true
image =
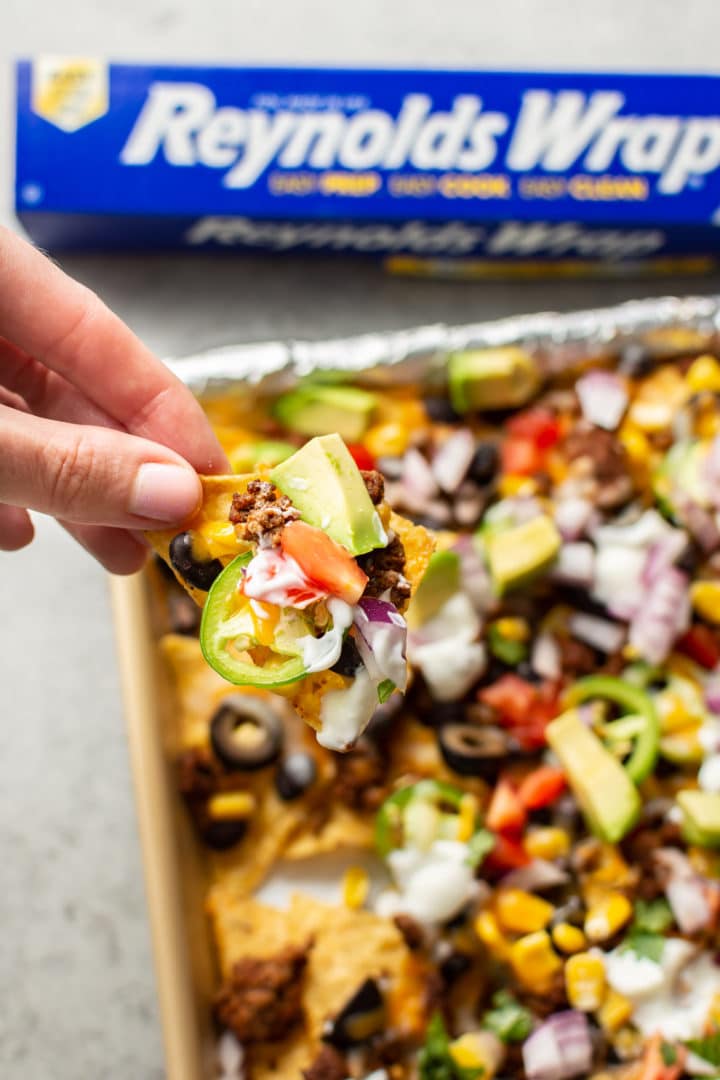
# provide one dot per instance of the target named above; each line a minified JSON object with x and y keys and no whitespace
{"x":435,"y":1061}
{"x":479,"y":845}
{"x":507,"y":1019}
{"x":384,"y":690}
{"x":708,"y":1048}
{"x":668,"y":1053}
{"x":655,"y":916}
{"x":644,"y":944}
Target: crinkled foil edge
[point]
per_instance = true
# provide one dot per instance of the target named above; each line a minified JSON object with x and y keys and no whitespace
{"x":420,"y":353}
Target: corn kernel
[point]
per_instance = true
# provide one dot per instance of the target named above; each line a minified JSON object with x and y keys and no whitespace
{"x":707,"y":421}
{"x":635,"y":443}
{"x":705,"y":596}
{"x":522,"y":913}
{"x":513,"y":629}
{"x":488,"y":930}
{"x":585,"y":981}
{"x":614,"y":1012}
{"x":231,"y":806}
{"x":546,"y":842}
{"x":568,"y":938}
{"x":704,"y":374}
{"x":514,"y":484}
{"x":387,"y":440}
{"x":467,"y":817}
{"x":534,"y":961}
{"x":355,"y":887}
{"x":477,"y":1050}
{"x":607,"y":916}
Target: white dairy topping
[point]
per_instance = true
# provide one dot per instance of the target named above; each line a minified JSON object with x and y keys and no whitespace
{"x":345,"y":714}
{"x":672,"y":997}
{"x":431,"y":886}
{"x":278,"y":579}
{"x":382,"y":647}
{"x":446,"y":649}
{"x":321,"y":653}
{"x":709,"y":774}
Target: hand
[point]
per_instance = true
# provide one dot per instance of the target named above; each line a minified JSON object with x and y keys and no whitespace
{"x":93,"y":428}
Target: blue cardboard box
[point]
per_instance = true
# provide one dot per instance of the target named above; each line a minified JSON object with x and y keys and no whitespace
{"x":455,"y":171}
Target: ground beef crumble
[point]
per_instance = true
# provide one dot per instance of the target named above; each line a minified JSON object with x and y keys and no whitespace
{"x":412,"y":932}
{"x":328,"y":1065}
{"x":604,"y":455}
{"x":375,"y":485}
{"x":361,"y":780}
{"x":262,"y":998}
{"x":198,"y":773}
{"x":384,"y":568}
{"x":259,"y":513}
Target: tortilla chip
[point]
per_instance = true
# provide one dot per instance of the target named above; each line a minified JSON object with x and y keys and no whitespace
{"x":343,"y":828}
{"x":217,"y":499}
{"x":347,"y":947}
{"x":419,"y":545}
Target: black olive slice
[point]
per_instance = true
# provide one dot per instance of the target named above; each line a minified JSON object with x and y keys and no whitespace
{"x":246,"y":732}
{"x":473,"y":749}
{"x":221,"y":835}
{"x":349,"y":661}
{"x":485,"y":462}
{"x":196,"y":572}
{"x":359,"y":1020}
{"x":295,"y":774}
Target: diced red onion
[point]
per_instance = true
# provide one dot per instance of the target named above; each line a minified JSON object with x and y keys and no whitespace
{"x":545,"y":659}
{"x":688,"y":898}
{"x":664,"y":615}
{"x":452,"y":460}
{"x":645,"y":530}
{"x":603,"y":398}
{"x":662,"y":554}
{"x":417,"y":478}
{"x":711,"y":471}
{"x":674,"y":862}
{"x":572,"y":516}
{"x":575,"y":564}
{"x":536,"y":876}
{"x":381,"y":638}
{"x":712,"y":694}
{"x":474,"y":576}
{"x":602,"y":634}
{"x":559,"y":1049}
{"x":698,"y":521}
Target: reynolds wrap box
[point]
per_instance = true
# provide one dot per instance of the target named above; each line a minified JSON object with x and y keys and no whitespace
{"x":457,"y":171}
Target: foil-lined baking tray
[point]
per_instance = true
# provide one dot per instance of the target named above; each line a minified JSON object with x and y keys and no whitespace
{"x":175,"y":873}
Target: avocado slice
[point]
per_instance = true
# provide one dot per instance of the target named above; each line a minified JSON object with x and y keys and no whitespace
{"x":324,"y":483}
{"x":323,"y":410}
{"x":701,"y":812}
{"x":247,"y":456}
{"x":440,"y":581}
{"x":606,"y":794}
{"x":516,"y":555}
{"x":500,"y":378}
{"x":681,"y":470}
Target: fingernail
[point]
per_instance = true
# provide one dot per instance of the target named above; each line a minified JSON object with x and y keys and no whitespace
{"x":164,"y":492}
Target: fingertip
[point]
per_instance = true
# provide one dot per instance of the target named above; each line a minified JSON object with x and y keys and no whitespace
{"x":164,"y":493}
{"x":16,"y":528}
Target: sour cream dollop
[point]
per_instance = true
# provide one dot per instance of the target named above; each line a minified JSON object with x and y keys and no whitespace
{"x":432,"y":886}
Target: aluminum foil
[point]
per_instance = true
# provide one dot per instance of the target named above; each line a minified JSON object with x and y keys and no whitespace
{"x":420,"y":354}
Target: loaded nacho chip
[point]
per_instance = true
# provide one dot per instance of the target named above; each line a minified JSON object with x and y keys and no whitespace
{"x":303,"y":575}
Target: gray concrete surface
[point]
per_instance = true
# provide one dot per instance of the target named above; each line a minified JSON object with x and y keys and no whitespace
{"x":76,"y":987}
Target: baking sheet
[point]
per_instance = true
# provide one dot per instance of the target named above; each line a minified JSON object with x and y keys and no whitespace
{"x":175,"y":873}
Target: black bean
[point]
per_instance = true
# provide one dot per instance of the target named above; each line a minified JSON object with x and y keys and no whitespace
{"x":349,"y":661}
{"x":485,"y":462}
{"x":221,"y":835}
{"x":196,"y":572}
{"x":455,"y":965}
{"x":440,"y":410}
{"x":362,"y":1017}
{"x":296,"y":773}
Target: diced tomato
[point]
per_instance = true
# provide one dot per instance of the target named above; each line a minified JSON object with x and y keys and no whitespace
{"x":362,"y":456}
{"x":539,"y":426}
{"x":654,"y":1064}
{"x":508,"y":854}
{"x":324,"y":561}
{"x":525,"y":708}
{"x":701,"y":645}
{"x":541,"y":787}
{"x":521,"y":457}
{"x":506,"y":813}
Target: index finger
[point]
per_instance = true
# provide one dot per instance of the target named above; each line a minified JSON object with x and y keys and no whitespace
{"x":69,"y":329}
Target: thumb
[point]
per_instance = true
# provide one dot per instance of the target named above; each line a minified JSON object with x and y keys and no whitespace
{"x":92,"y":475}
